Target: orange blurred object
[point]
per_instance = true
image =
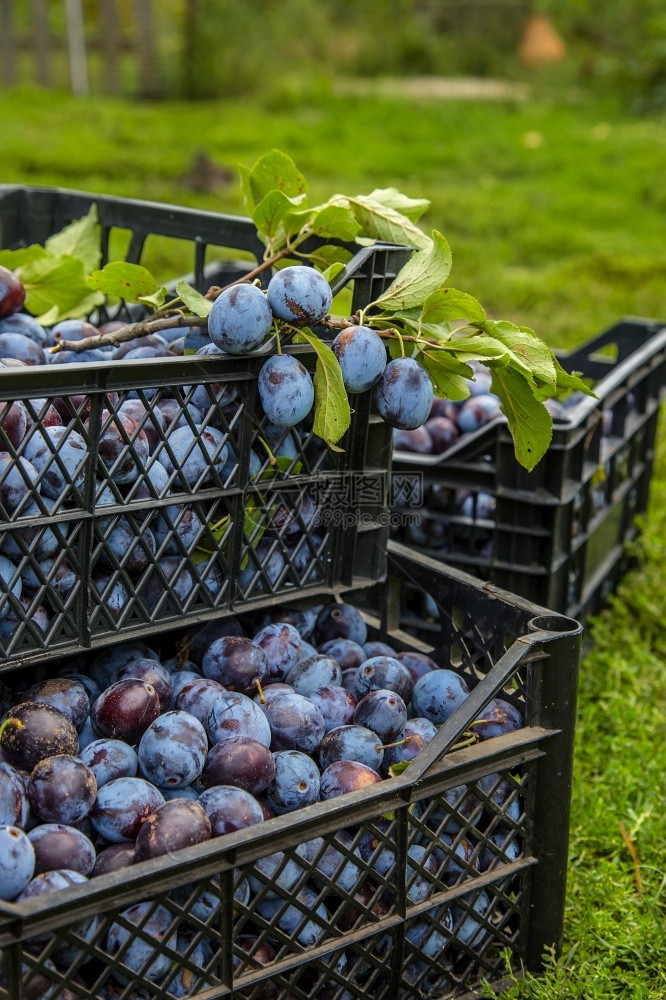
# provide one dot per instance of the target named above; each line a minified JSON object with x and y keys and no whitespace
{"x":541,"y":43}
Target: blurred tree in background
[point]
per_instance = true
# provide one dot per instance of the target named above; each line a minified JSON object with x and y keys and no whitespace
{"x":206,"y":49}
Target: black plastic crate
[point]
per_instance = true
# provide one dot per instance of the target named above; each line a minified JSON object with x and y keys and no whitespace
{"x":369,"y":937}
{"x":87,"y":540}
{"x":557,"y":535}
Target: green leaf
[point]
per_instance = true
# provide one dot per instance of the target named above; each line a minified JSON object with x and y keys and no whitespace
{"x":565,"y":382}
{"x":423,"y":274}
{"x":335,"y":222}
{"x":122,"y":280}
{"x":245,"y":187}
{"x":449,"y":376}
{"x":397,"y":769}
{"x":527,"y":353}
{"x":394,"y":348}
{"x":57,"y":283}
{"x":332,"y":415}
{"x":269,"y":216}
{"x":329,"y":254}
{"x":529,"y":421}
{"x":15,"y":259}
{"x":478,"y":348}
{"x":275,"y":171}
{"x":333,"y":271}
{"x":447,"y":304}
{"x":384,"y":223}
{"x":79,"y":239}
{"x":193,"y":299}
{"x":155,"y":300}
{"x":412,"y":208}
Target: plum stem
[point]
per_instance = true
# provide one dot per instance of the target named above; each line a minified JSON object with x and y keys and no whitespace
{"x":15,"y":722}
{"x":262,"y":696}
{"x":387,"y":746}
{"x":271,"y":457}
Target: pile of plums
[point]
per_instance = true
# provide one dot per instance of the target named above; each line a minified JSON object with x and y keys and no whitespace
{"x":126,"y":758}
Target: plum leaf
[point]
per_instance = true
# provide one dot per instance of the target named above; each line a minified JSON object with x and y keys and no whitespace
{"x":530,"y":423}
{"x":193,"y":299}
{"x":122,"y":280}
{"x":424,"y":273}
{"x":332,"y":414}
{"x":79,"y":239}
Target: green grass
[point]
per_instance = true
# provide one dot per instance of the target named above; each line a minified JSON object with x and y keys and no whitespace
{"x":555,"y":212}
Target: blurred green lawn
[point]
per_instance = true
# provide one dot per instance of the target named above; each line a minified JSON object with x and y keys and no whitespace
{"x":555,"y":211}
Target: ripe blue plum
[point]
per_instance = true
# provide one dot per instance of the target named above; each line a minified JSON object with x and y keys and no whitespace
{"x":229,"y":809}
{"x":28,"y":327}
{"x":73,"y":329}
{"x":376,"y":648}
{"x":347,"y":652}
{"x":42,"y":542}
{"x":479,"y":506}
{"x":336,"y":705}
{"x":282,"y":442}
{"x":196,"y":454}
{"x":296,"y":782}
{"x":497,"y":718}
{"x":182,"y":679}
{"x":427,"y":938}
{"x":314,"y":672}
{"x":109,"y":759}
{"x":196,"y":696}
{"x":295,"y":723}
{"x":125,"y":710}
{"x":242,"y":762}
{"x":38,"y":731}
{"x":179,"y":527}
{"x":467,"y":928}
{"x":177,"y":824}
{"x":418,"y":664}
{"x":154,"y":483}
{"x":343,"y":776}
{"x":419,"y":886}
{"x":62,"y":789}
{"x":121,"y":807}
{"x":340,"y":621}
{"x":113,"y":594}
{"x":456,"y":861}
{"x":332,"y":862}
{"x":235,"y":662}
{"x":384,"y":672}
{"x":150,"y":421}
{"x":64,"y":694}
{"x":438,"y":694}
{"x":16,"y":345}
{"x":172,"y":751}
{"x":17,"y":861}
{"x":54,"y":881}
{"x":279,"y":870}
{"x":411,"y":745}
{"x":122,"y":463}
{"x":18,"y":483}
{"x":286,"y":391}
{"x":240,"y":319}
{"x":384,"y":712}
{"x":138,"y":952}
{"x":282,"y":646}
{"x":14,"y":807}
{"x":351,"y":743}
{"x":295,"y":920}
{"x":362,"y":356}
{"x":57,"y":845}
{"x":416,"y":442}
{"x":113,"y":858}
{"x":233,"y":715}
{"x":503,"y":796}
{"x":87,"y":735}
{"x":38,"y":617}
{"x":12,"y":293}
{"x":13,"y":420}
{"x":443,"y":433}
{"x":105,"y":666}
{"x":152,"y":672}
{"x":404,"y":394}
{"x":420,"y":727}
{"x":476,"y":412}
{"x":180,"y":584}
{"x":300,"y":294}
